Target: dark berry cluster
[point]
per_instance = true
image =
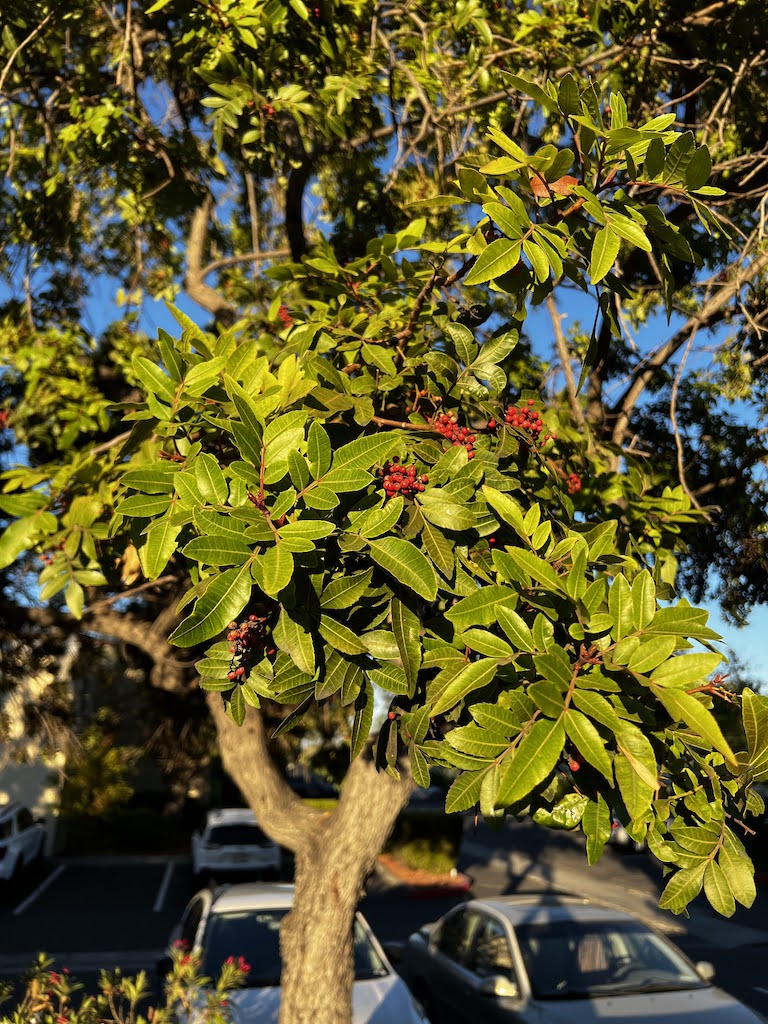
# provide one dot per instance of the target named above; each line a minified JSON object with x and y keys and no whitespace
{"x":248,"y":638}
{"x":285,"y":316}
{"x":573,"y":481}
{"x":398,"y":478}
{"x":447,"y":424}
{"x":526,"y":418}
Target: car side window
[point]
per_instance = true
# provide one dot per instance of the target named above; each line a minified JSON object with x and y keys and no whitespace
{"x":191,"y":921}
{"x":454,"y":939}
{"x":24,"y":820}
{"x":491,"y":953}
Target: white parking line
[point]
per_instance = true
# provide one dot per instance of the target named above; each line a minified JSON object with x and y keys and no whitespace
{"x":41,"y":888}
{"x":162,"y":892}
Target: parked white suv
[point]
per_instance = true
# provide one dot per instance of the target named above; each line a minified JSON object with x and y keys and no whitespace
{"x":231,"y":841}
{"x":21,"y":839}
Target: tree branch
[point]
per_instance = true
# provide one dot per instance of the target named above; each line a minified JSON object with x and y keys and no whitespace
{"x":194,"y":284}
{"x":710,"y":314}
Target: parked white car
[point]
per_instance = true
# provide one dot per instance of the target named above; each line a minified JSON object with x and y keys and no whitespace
{"x":21,"y":839}
{"x":231,"y":841}
{"x":244,"y":921}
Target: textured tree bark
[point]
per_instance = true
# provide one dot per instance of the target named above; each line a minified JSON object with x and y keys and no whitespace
{"x":335,"y":853}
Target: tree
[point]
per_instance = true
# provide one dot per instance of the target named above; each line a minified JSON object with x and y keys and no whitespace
{"x":361,"y":475}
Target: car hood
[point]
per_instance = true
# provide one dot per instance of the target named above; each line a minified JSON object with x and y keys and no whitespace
{"x":696,"y":1006}
{"x":379,"y":1001}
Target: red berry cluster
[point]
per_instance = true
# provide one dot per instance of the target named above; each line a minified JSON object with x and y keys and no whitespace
{"x":247,"y":638}
{"x":285,"y":316}
{"x":574,"y":483}
{"x":447,"y":424}
{"x":400,"y":479}
{"x":528,"y":419}
{"x":4,"y":414}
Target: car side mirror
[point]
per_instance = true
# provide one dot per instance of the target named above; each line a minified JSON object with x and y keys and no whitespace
{"x":498,"y":987}
{"x":394,"y":951}
{"x":705,"y":970}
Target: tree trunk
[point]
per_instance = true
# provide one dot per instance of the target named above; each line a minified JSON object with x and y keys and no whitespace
{"x":335,"y":853}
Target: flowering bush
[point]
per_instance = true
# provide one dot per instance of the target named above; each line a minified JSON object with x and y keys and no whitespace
{"x":53,"y":997}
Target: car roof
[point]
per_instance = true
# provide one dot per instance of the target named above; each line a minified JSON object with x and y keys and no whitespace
{"x":252,"y":896}
{"x":547,"y":909}
{"x":231,"y":816}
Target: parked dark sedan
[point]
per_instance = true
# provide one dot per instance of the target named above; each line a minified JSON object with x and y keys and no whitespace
{"x":538,"y":960}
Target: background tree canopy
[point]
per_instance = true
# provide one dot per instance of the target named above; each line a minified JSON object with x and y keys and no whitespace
{"x":380,"y":458}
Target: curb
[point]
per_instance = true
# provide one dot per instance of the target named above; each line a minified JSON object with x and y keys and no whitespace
{"x":458,"y":885}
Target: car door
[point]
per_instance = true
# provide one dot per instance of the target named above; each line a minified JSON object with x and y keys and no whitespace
{"x":491,"y":957}
{"x":450,"y":945}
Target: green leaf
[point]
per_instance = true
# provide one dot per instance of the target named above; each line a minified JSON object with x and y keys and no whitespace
{"x":516,"y":628}
{"x":596,"y":823}
{"x":588,"y":741}
{"x":377,"y":521}
{"x":685,"y":669}
{"x":318,"y":449}
{"x":307,"y":529}
{"x":345,"y":591}
{"x":683,"y":707}
{"x":439,"y":548}
{"x":635,"y":791}
{"x":223,"y":600}
{"x":754,"y":712}
{"x":509,"y":220}
{"x":643,"y":599}
{"x":498,"y":258}
{"x":210,"y":479}
{"x":276,"y":566}
{"x":472,"y":739}
{"x":539,"y":570}
{"x":225,"y":550}
{"x":365,"y":451}
{"x":321,"y":498}
{"x":682,"y":620}
{"x":495,"y":719}
{"x":555,"y":666}
{"x":464,"y":343}
{"x":474,"y":676}
{"x":341,"y":637}
{"x":480,"y":608}
{"x":538,"y":260}
{"x":718,"y":891}
{"x":487,"y":643}
{"x":235,"y":707}
{"x":144,"y":506}
{"x":407,"y":564}
{"x":532,"y":761}
{"x":652,"y":653}
{"x":637,"y":749}
{"x":154,"y":380}
{"x":390,"y":678}
{"x":419,"y":766}
{"x":465,"y":791}
{"x":605,"y":249}
{"x":548,"y":696}
{"x":620,"y":608}
{"x":292,"y":638}
{"x":508,"y":510}
{"x":740,"y":874}
{"x":406,"y":628}
{"x":447,"y":514}
{"x":160,"y":546}
{"x":629,"y":230}
{"x":683,"y":887}
{"x":149,"y":479}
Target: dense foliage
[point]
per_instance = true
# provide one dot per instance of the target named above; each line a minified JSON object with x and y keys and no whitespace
{"x":371,"y":471}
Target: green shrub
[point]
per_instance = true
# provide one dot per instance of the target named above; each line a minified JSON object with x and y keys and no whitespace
{"x":426,"y":840}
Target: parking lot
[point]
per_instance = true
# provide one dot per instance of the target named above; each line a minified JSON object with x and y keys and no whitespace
{"x":118,"y":912}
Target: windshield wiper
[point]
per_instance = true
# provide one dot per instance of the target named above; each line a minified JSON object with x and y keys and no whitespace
{"x":651,"y":986}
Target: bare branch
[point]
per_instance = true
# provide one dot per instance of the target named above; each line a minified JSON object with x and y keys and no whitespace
{"x":711,"y":313}
{"x":565,"y":361}
{"x":194,"y":283}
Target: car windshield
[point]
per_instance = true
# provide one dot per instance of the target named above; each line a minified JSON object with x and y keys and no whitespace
{"x":579,"y":959}
{"x":254,"y":935}
{"x":237,"y":835}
